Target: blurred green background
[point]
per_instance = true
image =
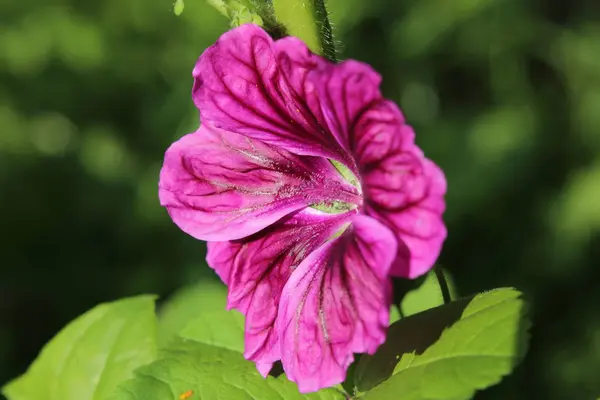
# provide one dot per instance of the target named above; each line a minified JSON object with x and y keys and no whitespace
{"x":504,"y":95}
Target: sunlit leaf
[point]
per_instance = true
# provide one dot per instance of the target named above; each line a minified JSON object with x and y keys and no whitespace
{"x":200,"y":371}
{"x":243,"y":11}
{"x":202,"y":357}
{"x":92,"y":355}
{"x":485,"y":344}
{"x":186,"y":305}
{"x":217,"y":327}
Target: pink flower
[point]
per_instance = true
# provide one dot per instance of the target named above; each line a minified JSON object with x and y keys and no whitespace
{"x":311,"y":193}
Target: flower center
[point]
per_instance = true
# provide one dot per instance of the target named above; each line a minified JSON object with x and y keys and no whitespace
{"x":334,"y":207}
{"x":339,"y":206}
{"x":346,"y":174}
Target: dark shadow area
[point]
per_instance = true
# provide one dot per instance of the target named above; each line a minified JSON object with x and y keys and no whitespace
{"x":277,"y":369}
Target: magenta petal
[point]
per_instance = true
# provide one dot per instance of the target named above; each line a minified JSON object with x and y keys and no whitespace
{"x":379,"y":132}
{"x":418,"y":222}
{"x":344,"y":92}
{"x":240,"y":86}
{"x":336,"y":303}
{"x":257,"y":268}
{"x":264,"y":368}
{"x":223,"y":186}
{"x":403,"y":189}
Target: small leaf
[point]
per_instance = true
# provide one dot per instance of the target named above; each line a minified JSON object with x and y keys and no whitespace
{"x":240,"y":14}
{"x":93,"y":354}
{"x":476,"y":352}
{"x":209,"y":372}
{"x":240,"y":11}
{"x":259,"y":12}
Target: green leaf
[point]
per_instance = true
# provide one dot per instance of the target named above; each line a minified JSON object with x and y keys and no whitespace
{"x":220,"y":328}
{"x":186,"y":305}
{"x":241,"y":12}
{"x":427,"y":295}
{"x":407,"y":335}
{"x":93,"y":354}
{"x":203,"y":355}
{"x":416,"y":333}
{"x":202,"y":371}
{"x":258,"y":12}
{"x":485,"y":344}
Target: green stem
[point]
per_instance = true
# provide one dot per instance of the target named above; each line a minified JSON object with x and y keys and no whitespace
{"x":439,"y":274}
{"x":307,"y":20}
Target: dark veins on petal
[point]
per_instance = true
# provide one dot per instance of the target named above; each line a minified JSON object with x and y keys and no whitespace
{"x":260,"y":266}
{"x":340,"y":306}
{"x":268,"y":171}
{"x":270,"y":100}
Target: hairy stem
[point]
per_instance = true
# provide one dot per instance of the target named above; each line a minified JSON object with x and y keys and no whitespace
{"x":307,"y":20}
